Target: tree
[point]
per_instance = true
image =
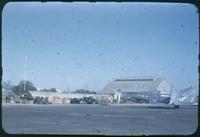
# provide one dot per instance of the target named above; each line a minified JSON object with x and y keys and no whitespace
{"x":49,"y":90}
{"x":28,"y":86}
{"x":82,"y":91}
{"x":18,"y":89}
{"x":53,"y":90}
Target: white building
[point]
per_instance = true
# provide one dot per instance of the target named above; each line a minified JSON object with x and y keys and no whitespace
{"x":64,"y":98}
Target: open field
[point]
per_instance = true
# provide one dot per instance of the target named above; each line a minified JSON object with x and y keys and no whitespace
{"x":95,"y":119}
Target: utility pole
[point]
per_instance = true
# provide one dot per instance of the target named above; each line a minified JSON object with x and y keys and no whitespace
{"x":25,"y":71}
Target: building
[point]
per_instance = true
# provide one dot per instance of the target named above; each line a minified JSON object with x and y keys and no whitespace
{"x":63,"y":97}
{"x":139,"y":89}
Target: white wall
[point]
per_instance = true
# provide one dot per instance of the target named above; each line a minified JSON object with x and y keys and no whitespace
{"x":56,"y":97}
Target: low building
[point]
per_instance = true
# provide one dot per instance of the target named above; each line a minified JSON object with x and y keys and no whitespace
{"x":63,"y":98}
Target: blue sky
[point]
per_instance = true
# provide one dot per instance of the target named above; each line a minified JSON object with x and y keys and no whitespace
{"x":86,"y":45}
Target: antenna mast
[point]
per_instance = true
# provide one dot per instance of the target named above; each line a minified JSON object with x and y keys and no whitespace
{"x":25,"y":71}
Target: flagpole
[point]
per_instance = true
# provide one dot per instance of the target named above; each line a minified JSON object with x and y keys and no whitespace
{"x":25,"y":71}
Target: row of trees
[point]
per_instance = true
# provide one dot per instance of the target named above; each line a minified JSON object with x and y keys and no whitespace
{"x":49,"y":90}
{"x":17,"y":89}
{"x":82,"y":91}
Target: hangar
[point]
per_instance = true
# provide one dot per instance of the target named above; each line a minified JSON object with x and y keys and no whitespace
{"x":139,"y":89}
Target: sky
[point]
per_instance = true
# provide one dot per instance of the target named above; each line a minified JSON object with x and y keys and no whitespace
{"x":86,"y":45}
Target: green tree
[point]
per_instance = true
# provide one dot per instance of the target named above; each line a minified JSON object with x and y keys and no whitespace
{"x":18,"y":89}
{"x":49,"y":90}
{"x":82,"y":91}
{"x":53,"y":90}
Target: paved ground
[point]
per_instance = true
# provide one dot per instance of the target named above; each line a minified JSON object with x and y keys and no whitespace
{"x":94,"y":119}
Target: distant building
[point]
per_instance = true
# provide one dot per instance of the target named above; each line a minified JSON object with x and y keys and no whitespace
{"x":152,"y":89}
{"x":62,"y":98}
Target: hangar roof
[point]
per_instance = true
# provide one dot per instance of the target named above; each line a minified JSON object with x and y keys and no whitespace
{"x":133,"y":84}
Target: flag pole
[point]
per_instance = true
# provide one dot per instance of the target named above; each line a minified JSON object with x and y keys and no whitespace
{"x":25,"y":71}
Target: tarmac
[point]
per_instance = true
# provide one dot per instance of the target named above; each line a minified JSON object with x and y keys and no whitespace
{"x":99,"y":120}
